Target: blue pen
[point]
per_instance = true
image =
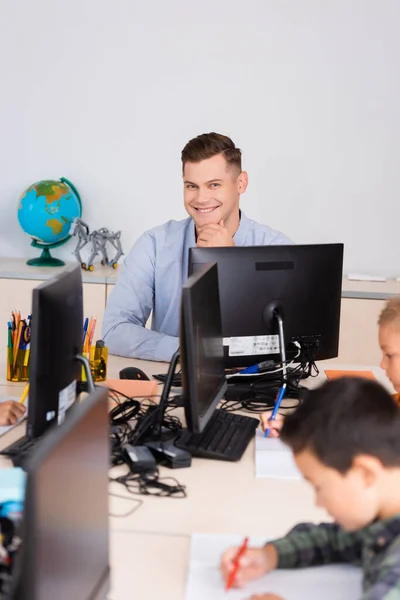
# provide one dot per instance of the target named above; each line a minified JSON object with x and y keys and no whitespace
{"x":85,"y":326}
{"x":276,"y":407}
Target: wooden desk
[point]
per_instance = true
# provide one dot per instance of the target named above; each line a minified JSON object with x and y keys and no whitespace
{"x":148,"y":567}
{"x":221,"y":498}
{"x":226,"y":497}
{"x":214,"y":495}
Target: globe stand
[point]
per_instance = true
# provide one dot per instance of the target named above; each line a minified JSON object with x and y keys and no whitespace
{"x":45,"y":260}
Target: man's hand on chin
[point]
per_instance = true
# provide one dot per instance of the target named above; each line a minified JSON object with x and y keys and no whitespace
{"x":214,"y":235}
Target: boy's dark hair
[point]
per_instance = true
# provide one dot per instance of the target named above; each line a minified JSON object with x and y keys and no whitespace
{"x":344,"y":418}
{"x":207,"y":145}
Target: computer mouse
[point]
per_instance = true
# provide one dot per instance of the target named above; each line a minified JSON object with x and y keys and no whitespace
{"x":133,"y":373}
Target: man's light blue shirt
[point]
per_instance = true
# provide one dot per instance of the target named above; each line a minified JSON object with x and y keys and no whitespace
{"x":151,"y":279}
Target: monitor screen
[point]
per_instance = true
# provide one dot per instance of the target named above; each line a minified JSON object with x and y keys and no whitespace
{"x":305,"y":282}
{"x":65,"y":549}
{"x":56,"y":339}
{"x":201,"y":350}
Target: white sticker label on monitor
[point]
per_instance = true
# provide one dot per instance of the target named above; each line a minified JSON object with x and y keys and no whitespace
{"x":66,"y":398}
{"x":252,"y":345}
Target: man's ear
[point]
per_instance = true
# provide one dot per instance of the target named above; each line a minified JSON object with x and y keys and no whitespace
{"x":242,"y":182}
{"x":369,"y":468}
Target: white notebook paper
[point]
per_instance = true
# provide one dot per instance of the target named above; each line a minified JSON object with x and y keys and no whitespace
{"x":204,"y":582}
{"x":274,"y":459}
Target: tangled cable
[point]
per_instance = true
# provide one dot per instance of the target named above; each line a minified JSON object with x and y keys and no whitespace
{"x":131,"y":422}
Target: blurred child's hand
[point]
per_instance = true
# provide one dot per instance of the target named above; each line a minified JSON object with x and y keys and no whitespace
{"x":265,"y":597}
{"x":274,"y":426}
{"x":11,"y":412}
{"x":254,"y":563}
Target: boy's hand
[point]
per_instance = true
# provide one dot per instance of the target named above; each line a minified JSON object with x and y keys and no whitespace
{"x":274,"y":426}
{"x":214,"y":235}
{"x":265,"y":597}
{"x":254,"y":563}
{"x":11,"y":412}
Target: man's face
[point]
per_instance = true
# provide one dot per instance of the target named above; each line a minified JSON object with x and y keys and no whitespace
{"x":350,"y":499}
{"x":389,"y":341}
{"x":212,"y":189}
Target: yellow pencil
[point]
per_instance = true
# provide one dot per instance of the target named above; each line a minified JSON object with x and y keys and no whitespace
{"x":17,"y":342}
{"x":24,"y":394}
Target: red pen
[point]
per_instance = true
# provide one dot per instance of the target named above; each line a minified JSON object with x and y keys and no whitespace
{"x":233,"y":573}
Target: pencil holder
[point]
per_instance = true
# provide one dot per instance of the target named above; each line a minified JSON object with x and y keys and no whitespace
{"x":17,"y":365}
{"x":98,"y":360}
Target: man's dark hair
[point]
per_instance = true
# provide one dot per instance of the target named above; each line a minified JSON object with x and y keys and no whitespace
{"x":344,"y":418}
{"x":207,"y":145}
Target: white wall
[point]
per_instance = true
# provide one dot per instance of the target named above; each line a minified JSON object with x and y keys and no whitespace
{"x":107,"y":92}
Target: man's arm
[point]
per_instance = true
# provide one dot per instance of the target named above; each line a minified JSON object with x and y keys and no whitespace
{"x":129,"y":306}
{"x":308,"y":545}
{"x":281,"y":240}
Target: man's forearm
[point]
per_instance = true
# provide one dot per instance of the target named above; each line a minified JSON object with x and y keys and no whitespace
{"x":135,"y":341}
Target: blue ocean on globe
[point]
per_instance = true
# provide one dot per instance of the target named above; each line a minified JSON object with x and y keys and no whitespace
{"x":47,"y":209}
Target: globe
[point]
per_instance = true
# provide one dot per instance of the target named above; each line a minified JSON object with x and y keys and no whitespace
{"x":46,"y":212}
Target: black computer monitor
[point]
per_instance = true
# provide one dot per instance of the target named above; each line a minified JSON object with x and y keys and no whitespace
{"x":65,"y":540}
{"x":299,"y":284}
{"x":56,"y":340}
{"x":201,"y":350}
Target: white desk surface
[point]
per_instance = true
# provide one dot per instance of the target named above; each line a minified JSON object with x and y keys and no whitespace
{"x":221,"y":498}
{"x":371,"y":290}
{"x":16,"y":268}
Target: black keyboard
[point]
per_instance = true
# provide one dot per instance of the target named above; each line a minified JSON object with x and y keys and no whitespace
{"x":19,"y":449}
{"x":225,"y":437}
{"x":176,"y":380}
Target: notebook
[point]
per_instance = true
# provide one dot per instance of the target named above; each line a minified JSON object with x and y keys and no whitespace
{"x":204,"y":581}
{"x":274,"y":459}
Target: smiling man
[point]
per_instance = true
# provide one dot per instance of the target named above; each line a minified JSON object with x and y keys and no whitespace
{"x":156,"y":267}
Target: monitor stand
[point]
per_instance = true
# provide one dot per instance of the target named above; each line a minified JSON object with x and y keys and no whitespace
{"x":274,"y":311}
{"x":155,"y":431}
{"x":279,"y":318}
{"x":159,"y":440}
{"x":163,"y":404}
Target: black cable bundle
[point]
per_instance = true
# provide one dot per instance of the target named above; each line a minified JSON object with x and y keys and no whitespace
{"x":149,"y":483}
{"x":131,"y":422}
{"x":260,"y":394}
